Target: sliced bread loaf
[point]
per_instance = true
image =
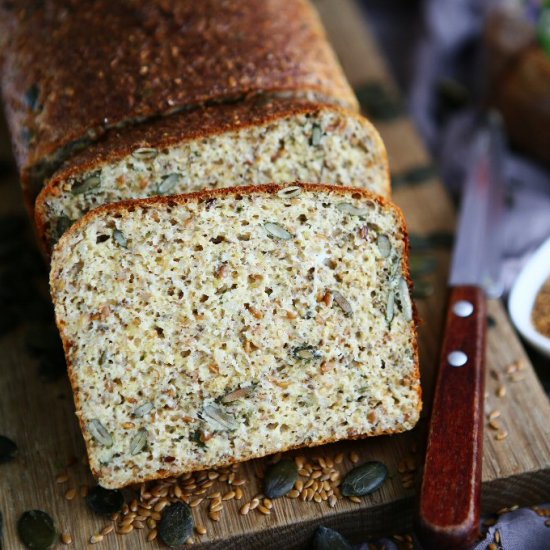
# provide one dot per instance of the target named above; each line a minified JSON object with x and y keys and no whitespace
{"x":222,"y":146}
{"x":215,"y":327}
{"x":69,"y":72}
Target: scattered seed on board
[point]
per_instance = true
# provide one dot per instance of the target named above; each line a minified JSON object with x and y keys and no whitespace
{"x":501,"y":435}
{"x":354,"y":457}
{"x":66,"y":538}
{"x":200,"y":529}
{"x":501,"y":391}
{"x":94,"y":539}
{"x":245,"y":508}
{"x":62,"y":478}
{"x":70,"y":494}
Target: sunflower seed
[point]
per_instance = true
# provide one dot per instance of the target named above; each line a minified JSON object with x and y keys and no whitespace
{"x":168,"y":183}
{"x":345,"y":306}
{"x":8,"y":449}
{"x":390,"y":306}
{"x":104,"y":501}
{"x":316,"y":134}
{"x":329,"y":539}
{"x":276,"y":231}
{"x":36,"y":530}
{"x":306,"y":353}
{"x":384,"y":245}
{"x":289,"y":192}
{"x":364,"y":479}
{"x":99,"y":433}
{"x":139,"y":442}
{"x":84,"y":186}
{"x":145,"y":153}
{"x":279,"y":478}
{"x":176,"y":524}
{"x":218,"y":418}
{"x":120,"y":238}
{"x":348,"y":208}
{"x":405,"y":298}
{"x":144,"y":409}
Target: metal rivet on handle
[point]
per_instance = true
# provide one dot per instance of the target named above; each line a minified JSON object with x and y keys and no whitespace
{"x":463,"y":308}
{"x":457,"y":358}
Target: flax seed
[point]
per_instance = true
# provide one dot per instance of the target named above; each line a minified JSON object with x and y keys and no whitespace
{"x":299,"y":485}
{"x":354,"y":457}
{"x":339,"y":458}
{"x":263,"y":510}
{"x":200,"y":529}
{"x":94,"y":539}
{"x":503,"y":434}
{"x":494,"y":415}
{"x":195,"y":502}
{"x":254,"y":503}
{"x":411,"y":464}
{"x":70,"y":494}
{"x":230,"y":495}
{"x":294,"y":493}
{"x":245,"y":508}
{"x":501,"y":391}
{"x":214,"y":516}
{"x":355,"y":499}
{"x":151,"y":523}
{"x":156,"y":516}
{"x":213,"y":475}
{"x":107,"y":529}
{"x":238,"y":482}
{"x":66,"y":538}
{"x":497,"y":536}
{"x":494,"y":425}
{"x":152,"y":535}
{"x":317,"y":498}
{"x":316,"y":475}
{"x":216,"y":507}
{"x":267,"y":502}
{"x":63,"y":477}
{"x":303,"y":472}
{"x":238,"y":493}
{"x":492,"y":546}
{"x":332,"y":501}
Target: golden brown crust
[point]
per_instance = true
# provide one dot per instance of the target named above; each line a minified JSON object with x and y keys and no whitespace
{"x":169,"y":131}
{"x":70,"y":71}
{"x":119,"y":207}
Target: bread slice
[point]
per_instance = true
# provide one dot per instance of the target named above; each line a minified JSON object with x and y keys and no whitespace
{"x":215,"y":327}
{"x":223,"y":146}
{"x":69,"y":73}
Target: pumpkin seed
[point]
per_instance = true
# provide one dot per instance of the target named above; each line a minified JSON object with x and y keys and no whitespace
{"x":379,"y":102}
{"x":99,"y":433}
{"x":104,"y":501}
{"x":390,"y":307}
{"x":176,"y":524}
{"x":422,"y":289}
{"x":329,"y":539}
{"x":306,"y":353}
{"x":384,"y":245}
{"x":168,"y":183}
{"x":145,"y":153}
{"x":120,"y":238}
{"x":31,"y":97}
{"x":139,"y":442}
{"x":344,"y":305}
{"x":63,"y":223}
{"x":218,"y":418}
{"x":8,"y":449}
{"x":421,"y":265}
{"x":364,"y":479}
{"x":405,"y":298}
{"x":316,"y":134}
{"x":86,"y":185}
{"x":348,"y":208}
{"x":144,"y":409}
{"x":414,"y":176}
{"x":289,"y":192}
{"x":279,"y":478}
{"x":276,"y":231}
{"x":36,"y":530}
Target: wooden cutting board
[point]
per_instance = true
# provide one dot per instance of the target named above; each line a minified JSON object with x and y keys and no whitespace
{"x":39,"y":416}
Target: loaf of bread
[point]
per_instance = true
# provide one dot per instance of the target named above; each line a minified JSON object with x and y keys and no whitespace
{"x":225,"y":145}
{"x":69,"y":71}
{"x":218,"y":326}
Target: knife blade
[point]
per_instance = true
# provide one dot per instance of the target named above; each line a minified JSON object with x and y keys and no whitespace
{"x":449,"y":506}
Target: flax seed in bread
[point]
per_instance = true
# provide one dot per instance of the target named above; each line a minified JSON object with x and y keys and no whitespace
{"x":224,"y":325}
{"x":226,"y":145}
{"x":71,"y":70}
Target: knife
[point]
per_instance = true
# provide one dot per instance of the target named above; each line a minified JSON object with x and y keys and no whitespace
{"x":449,"y":505}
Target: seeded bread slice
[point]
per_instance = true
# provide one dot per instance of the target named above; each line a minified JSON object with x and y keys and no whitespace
{"x":222,"y":146}
{"x":69,"y":72}
{"x":215,"y":327}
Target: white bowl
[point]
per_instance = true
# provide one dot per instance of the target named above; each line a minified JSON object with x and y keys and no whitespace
{"x":523,"y":294}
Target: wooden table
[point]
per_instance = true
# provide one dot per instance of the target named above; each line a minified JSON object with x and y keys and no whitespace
{"x":40,"y":416}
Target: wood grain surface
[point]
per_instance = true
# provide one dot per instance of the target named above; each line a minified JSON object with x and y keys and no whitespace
{"x":39,"y":416}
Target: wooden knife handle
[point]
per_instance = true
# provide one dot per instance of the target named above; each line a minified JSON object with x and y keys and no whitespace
{"x":451,"y":484}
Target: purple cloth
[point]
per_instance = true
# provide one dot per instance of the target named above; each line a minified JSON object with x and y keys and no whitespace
{"x":520,"y":530}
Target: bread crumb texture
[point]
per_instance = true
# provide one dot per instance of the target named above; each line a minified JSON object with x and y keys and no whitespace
{"x":212,"y":329}
{"x":324,"y":145}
